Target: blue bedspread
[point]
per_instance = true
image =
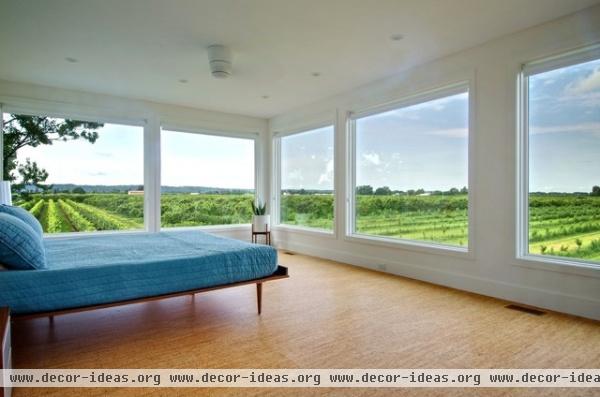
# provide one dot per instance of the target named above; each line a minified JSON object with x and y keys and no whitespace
{"x":91,"y":270}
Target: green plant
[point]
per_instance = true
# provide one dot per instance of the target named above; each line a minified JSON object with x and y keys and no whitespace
{"x":259,"y":208}
{"x":578,"y":242}
{"x":543,"y":249}
{"x":76,"y":220}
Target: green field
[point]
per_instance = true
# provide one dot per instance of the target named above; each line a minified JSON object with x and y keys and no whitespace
{"x":560,"y":225}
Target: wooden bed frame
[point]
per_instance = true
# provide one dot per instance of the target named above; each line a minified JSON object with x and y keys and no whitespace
{"x":280,"y":272}
{"x":5,"y":317}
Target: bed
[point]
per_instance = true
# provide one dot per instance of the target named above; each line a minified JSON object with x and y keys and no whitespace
{"x":86,"y":272}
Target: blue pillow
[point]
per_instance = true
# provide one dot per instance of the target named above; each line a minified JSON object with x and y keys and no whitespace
{"x":21,"y":248}
{"x":23,"y":215}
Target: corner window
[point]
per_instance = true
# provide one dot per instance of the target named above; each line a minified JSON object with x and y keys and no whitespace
{"x":306,"y":175}
{"x":206,"y":179}
{"x":76,"y":176}
{"x":561,"y":159}
{"x":410,"y":171}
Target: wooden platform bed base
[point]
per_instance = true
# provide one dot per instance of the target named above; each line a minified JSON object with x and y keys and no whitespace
{"x":280,"y":272}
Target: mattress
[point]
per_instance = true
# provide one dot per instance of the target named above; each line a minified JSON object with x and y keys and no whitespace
{"x":100,"y":269}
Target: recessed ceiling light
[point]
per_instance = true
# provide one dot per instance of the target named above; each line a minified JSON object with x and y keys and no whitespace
{"x":265,"y":97}
{"x":71,"y":60}
{"x":315,"y":74}
{"x":183,"y":81}
{"x":396,"y":37}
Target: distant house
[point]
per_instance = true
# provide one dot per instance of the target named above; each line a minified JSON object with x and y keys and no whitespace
{"x":135,"y":192}
{"x":29,"y":188}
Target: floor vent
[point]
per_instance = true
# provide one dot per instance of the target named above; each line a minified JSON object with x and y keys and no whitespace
{"x":524,"y":309}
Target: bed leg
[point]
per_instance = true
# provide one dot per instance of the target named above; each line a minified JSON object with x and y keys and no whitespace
{"x":259,"y":296}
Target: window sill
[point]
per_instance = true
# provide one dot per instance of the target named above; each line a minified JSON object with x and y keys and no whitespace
{"x":304,"y":230}
{"x":92,"y":234}
{"x":423,"y":247}
{"x":210,"y":228}
{"x":559,"y":265}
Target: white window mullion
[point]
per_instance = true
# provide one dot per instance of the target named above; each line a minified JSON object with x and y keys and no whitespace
{"x":152,"y":171}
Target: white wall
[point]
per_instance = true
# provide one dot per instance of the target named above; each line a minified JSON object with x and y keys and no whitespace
{"x":493,"y":268}
{"x":35,"y":99}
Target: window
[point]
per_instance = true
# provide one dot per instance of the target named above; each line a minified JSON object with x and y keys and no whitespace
{"x":206,"y":179}
{"x":410,"y":171}
{"x":561,"y":159}
{"x":306,"y":194}
{"x":76,"y":176}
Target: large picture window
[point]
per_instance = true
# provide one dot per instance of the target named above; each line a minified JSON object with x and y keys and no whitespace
{"x":206,"y":179}
{"x":410,"y":170}
{"x":306,"y":179}
{"x":75,"y":176}
{"x":561,"y":151}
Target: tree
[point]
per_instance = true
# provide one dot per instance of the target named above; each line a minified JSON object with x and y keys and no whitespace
{"x":364,"y":189}
{"x":32,"y":175}
{"x":33,"y":131}
{"x":78,"y":190}
{"x":383,"y":191}
{"x":464,"y":190}
{"x":596,"y":191}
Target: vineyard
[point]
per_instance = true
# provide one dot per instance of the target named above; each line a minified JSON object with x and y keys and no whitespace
{"x":63,"y":213}
{"x":560,"y":225}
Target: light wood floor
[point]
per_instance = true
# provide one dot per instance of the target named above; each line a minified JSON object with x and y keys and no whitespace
{"x":326,"y":315}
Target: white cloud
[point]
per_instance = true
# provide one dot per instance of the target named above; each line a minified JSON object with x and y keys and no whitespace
{"x":327,"y":176}
{"x":587,"y":84}
{"x":397,"y":157}
{"x":569,"y":128}
{"x":450,"y":133}
{"x":372,"y":158}
{"x":295,"y":176}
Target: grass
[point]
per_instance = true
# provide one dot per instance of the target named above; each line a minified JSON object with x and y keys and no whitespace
{"x":560,"y":225}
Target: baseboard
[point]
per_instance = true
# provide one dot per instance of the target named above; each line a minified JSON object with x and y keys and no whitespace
{"x":551,"y":300}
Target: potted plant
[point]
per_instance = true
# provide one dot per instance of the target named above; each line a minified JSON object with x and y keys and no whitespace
{"x":261,"y":221}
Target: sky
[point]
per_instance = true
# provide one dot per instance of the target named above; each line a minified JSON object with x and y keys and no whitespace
{"x":307,"y":160}
{"x":116,"y":158}
{"x":421,"y":146}
{"x":206,"y":160}
{"x":424,"y":146}
{"x":564,"y":129}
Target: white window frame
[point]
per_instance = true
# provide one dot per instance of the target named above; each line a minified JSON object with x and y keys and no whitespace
{"x":151,"y":153}
{"x":276,"y":182}
{"x":523,"y":256}
{"x":258,"y":179}
{"x":415,"y":245}
{"x":39,"y":110}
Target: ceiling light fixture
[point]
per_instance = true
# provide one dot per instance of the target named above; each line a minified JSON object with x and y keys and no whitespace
{"x":71,"y":60}
{"x":183,"y":81}
{"x":219,"y":59}
{"x":265,"y":97}
{"x":396,"y":37}
{"x":315,"y":74}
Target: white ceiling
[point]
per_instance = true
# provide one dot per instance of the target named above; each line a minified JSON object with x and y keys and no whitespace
{"x":142,"y":48}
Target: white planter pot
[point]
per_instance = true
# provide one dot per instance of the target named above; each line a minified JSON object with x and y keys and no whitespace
{"x":261,"y":223}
